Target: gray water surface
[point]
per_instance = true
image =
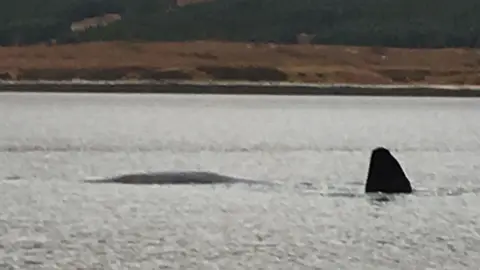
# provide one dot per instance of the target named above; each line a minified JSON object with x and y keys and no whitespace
{"x":49,"y":219}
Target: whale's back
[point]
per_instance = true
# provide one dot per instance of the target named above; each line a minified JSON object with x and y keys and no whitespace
{"x":174,"y":178}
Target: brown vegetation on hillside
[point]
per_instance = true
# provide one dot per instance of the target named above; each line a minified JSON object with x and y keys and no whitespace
{"x":93,"y":22}
{"x":203,"y":60}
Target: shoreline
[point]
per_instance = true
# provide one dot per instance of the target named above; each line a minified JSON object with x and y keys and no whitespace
{"x":238,"y":88}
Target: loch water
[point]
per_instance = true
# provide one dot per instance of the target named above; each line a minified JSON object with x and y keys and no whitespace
{"x":50,"y":219}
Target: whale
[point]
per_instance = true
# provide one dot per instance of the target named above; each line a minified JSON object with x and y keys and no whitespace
{"x":177,"y":178}
{"x":385,"y":175}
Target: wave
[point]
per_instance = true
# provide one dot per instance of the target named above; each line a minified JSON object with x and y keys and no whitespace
{"x":380,"y":197}
{"x":182,"y":147}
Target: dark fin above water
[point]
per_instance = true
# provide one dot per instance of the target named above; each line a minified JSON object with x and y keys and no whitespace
{"x":385,"y":174}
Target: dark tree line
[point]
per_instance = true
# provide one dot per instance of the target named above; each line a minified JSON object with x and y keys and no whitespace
{"x":34,"y":21}
{"x":397,"y":23}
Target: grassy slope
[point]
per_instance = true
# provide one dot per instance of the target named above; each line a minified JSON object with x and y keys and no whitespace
{"x":241,"y":61}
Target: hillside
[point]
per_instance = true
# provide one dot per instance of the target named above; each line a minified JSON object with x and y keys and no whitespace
{"x":203,"y":61}
{"x":393,"y":23}
{"x":33,"y":21}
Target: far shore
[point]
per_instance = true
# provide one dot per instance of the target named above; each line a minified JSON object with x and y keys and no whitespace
{"x":239,"y":68}
{"x":236,"y":88}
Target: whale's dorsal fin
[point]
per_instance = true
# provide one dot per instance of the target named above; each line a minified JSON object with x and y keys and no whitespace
{"x":385,"y":174}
